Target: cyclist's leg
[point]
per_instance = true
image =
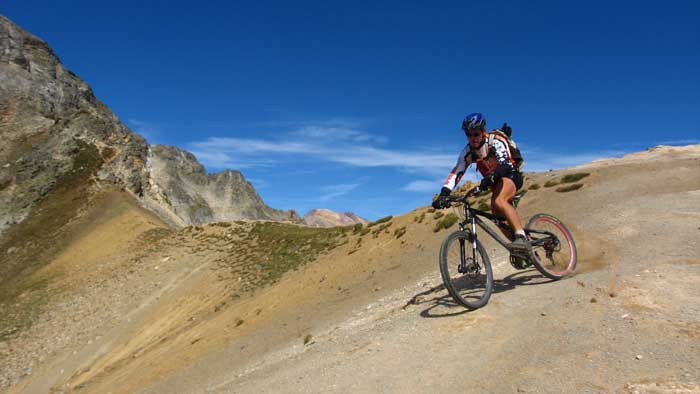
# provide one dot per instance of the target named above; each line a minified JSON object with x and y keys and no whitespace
{"x":503,"y":193}
{"x":504,"y":227}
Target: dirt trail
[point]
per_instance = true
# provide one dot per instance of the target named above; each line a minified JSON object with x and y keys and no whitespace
{"x":629,"y":317}
{"x":372,"y":316}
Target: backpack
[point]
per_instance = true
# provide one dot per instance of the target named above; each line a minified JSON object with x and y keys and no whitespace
{"x":515,"y":154}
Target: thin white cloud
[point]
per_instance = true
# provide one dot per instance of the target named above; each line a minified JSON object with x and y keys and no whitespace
{"x":337,"y":134}
{"x":220,"y":160}
{"x":422,"y":186}
{"x":333,"y":191}
{"x":331,"y":144}
{"x":252,"y":146}
{"x":335,"y":143}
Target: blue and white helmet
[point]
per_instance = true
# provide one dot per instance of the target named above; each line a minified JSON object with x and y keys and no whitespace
{"x":474,"y":121}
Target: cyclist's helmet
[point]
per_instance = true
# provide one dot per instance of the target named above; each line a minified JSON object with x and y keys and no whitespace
{"x":474,"y":121}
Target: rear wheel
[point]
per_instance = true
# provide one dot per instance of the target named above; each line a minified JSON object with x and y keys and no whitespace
{"x":553,"y":247}
{"x":469,"y":280}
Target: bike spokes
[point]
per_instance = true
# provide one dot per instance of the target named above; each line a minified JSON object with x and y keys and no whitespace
{"x":467,"y":276}
{"x":554,"y":250}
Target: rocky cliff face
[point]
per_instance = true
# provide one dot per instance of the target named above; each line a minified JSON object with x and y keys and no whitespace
{"x":183,"y":193}
{"x":327,"y":218}
{"x":53,"y":129}
{"x":55,"y":134}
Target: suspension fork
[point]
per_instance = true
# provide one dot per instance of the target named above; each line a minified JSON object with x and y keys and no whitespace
{"x":463,"y":249}
{"x":462,"y":257}
{"x":473,"y":240}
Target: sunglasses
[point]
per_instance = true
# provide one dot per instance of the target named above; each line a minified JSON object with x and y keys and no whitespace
{"x":473,"y":135}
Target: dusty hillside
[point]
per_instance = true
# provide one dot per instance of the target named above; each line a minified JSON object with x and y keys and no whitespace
{"x":266,"y":307}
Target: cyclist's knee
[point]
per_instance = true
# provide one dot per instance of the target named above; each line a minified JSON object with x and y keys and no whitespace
{"x":499,"y":202}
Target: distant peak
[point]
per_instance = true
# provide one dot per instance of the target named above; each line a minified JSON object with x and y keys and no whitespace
{"x":323,"y":217}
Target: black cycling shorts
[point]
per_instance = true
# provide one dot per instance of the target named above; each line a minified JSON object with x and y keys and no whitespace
{"x":517,"y":178}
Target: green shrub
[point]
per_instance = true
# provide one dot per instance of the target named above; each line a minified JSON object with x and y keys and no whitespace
{"x":420,"y":218}
{"x":280,"y":248}
{"x":571,"y":178}
{"x":357,"y":228}
{"x":551,"y":183}
{"x":534,"y":186}
{"x":399,"y":232}
{"x":381,"y":228}
{"x":438,"y":215}
{"x":446,"y":222}
{"x":379,"y":221}
{"x":569,"y":188}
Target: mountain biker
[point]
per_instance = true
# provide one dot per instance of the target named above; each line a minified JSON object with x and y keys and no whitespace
{"x":498,"y":168}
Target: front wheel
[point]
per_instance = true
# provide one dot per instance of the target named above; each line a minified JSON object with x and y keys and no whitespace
{"x":553,"y":247}
{"x":467,"y":275}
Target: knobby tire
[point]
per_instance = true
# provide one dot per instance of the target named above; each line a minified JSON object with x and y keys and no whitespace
{"x":458,"y":284}
{"x":550,"y":267}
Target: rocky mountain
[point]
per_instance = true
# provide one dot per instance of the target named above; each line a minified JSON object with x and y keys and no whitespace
{"x":326,"y":218}
{"x":58,"y":139}
{"x":54,"y":131}
{"x":181,"y":191}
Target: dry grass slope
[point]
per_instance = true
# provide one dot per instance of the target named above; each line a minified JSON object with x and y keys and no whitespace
{"x":26,"y":247}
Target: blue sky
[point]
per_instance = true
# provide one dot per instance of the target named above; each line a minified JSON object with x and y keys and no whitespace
{"x":356,"y":106}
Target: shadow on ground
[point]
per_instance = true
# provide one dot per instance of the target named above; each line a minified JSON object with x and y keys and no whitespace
{"x":443,"y":305}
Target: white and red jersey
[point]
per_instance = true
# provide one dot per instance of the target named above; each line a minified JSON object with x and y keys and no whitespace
{"x":486,"y":157}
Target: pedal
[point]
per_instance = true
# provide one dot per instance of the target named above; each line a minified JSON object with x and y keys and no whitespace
{"x":519,"y":262}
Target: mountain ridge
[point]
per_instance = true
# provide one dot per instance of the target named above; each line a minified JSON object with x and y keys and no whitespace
{"x":182,"y":191}
{"x":51,"y":121}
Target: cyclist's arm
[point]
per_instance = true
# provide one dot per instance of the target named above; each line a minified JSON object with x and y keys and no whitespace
{"x":459,"y":169}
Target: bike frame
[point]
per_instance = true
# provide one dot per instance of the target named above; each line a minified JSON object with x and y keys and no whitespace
{"x":472,"y":219}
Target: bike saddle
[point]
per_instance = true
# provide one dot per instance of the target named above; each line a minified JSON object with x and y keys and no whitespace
{"x":516,"y":198}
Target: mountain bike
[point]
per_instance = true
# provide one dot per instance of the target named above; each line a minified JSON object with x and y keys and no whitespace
{"x":465,"y":266}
